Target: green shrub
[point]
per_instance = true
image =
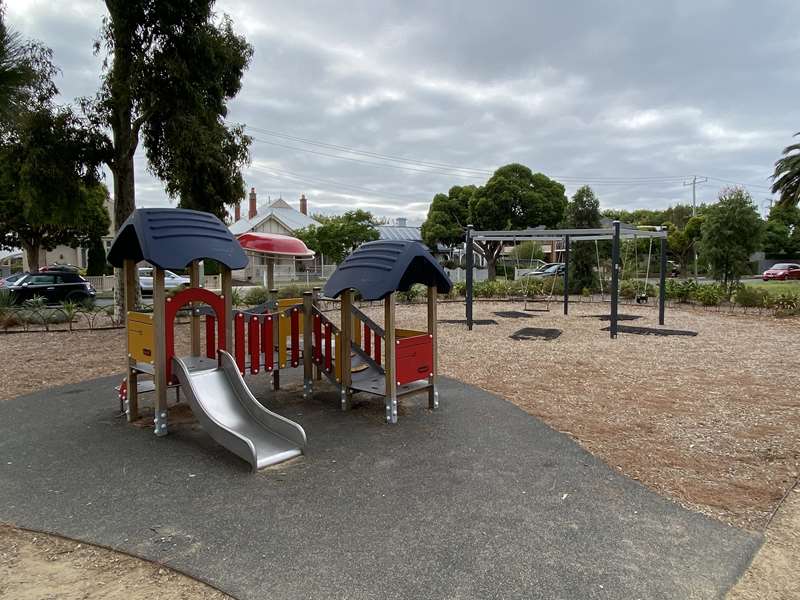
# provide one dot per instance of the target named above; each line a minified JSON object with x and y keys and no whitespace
{"x":786,"y":303}
{"x":458,"y":290}
{"x":414,"y":292}
{"x":586,"y":292}
{"x":681,"y":291}
{"x":627,"y":289}
{"x":256,"y":295}
{"x":294,"y":290}
{"x":709,"y":294}
{"x":750,"y":296}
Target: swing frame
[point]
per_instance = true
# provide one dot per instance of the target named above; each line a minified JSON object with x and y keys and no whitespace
{"x":616,"y":234}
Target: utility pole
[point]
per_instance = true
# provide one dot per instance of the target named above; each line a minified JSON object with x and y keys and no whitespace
{"x":695,"y":180}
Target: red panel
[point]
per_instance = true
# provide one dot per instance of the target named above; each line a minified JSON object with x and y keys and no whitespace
{"x":266,"y":343}
{"x":211,"y":348}
{"x":367,"y":340}
{"x":414,"y":358}
{"x":295,"y":335}
{"x":238,"y":341}
{"x":328,"y":347}
{"x":252,"y":344}
{"x":377,"y":348}
{"x":317,"y":339}
{"x":178,"y":301}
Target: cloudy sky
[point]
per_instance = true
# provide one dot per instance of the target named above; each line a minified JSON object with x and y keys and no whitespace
{"x":383,"y":104}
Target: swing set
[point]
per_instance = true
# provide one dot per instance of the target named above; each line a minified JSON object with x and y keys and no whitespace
{"x":616,"y":234}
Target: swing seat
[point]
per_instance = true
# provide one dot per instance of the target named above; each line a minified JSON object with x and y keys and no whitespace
{"x":641,"y":299}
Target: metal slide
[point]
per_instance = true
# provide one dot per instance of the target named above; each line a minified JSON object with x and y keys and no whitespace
{"x":229,"y":412}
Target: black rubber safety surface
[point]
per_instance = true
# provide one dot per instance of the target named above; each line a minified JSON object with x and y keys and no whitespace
{"x":620,"y":317}
{"x":464,"y":321}
{"x":476,"y":500}
{"x":652,"y":331}
{"x":512,"y":314}
{"x":535,"y":333}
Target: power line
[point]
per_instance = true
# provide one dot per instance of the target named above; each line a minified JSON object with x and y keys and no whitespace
{"x":313,"y":181}
{"x":441,"y":168}
{"x":435,"y":165}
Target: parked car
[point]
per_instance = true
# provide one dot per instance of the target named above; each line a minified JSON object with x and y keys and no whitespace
{"x":171,"y":280}
{"x":59,"y":267}
{"x":54,"y":286}
{"x":782,"y":272}
{"x":7,"y":281}
{"x":549,"y":270}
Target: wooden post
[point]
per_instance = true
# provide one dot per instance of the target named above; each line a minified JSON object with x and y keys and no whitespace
{"x":194,"y":281}
{"x":308,"y":359}
{"x":315,"y":293}
{"x":227,"y":295}
{"x":276,"y":372}
{"x":389,"y":359}
{"x":160,"y":360}
{"x":345,"y":335}
{"x":132,"y":408}
{"x":433,"y":392}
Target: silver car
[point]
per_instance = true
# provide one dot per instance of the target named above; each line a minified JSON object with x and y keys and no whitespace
{"x":171,"y":280}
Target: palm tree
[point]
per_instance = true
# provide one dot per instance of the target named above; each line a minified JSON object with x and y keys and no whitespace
{"x":786,"y":178}
{"x":26,"y":73}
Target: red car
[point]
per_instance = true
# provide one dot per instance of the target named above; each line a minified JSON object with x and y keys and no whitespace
{"x":782,"y":272}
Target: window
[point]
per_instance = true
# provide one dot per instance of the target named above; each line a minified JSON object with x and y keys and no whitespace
{"x":41,"y":280}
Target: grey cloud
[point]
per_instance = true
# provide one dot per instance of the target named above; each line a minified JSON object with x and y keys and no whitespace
{"x":581,"y":90}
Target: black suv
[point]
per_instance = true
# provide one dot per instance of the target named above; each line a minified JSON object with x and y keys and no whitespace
{"x":54,"y":286}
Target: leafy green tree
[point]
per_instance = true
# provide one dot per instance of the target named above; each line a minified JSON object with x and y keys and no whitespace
{"x":170,"y":70}
{"x":683,"y":241}
{"x":96,"y":258}
{"x":337,"y":236}
{"x":786,"y":178}
{"x":732,"y":231}
{"x":583,"y":212}
{"x":448,"y":217}
{"x":513,"y":198}
{"x":782,"y":234}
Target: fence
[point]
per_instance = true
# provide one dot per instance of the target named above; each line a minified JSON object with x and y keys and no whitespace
{"x":458,"y":275}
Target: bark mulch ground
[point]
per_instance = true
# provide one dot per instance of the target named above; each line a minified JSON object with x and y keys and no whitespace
{"x":710,"y":420}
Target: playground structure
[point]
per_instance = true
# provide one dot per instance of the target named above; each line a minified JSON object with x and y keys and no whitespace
{"x":277,"y":335}
{"x":569,"y":236}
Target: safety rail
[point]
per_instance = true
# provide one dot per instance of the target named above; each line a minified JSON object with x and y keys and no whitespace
{"x":257,"y":342}
{"x":367,"y":335}
{"x":325,"y":345}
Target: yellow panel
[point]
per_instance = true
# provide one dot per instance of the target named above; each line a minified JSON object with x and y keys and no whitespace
{"x":141,"y":344}
{"x":284,"y":329}
{"x":357,"y":327}
{"x":404,"y":333}
{"x":338,"y":357}
{"x":285,"y":303}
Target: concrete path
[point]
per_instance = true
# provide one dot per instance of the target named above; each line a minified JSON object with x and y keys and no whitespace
{"x":477,"y":500}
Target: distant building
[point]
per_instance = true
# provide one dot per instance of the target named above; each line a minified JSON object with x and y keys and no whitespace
{"x":277,"y":216}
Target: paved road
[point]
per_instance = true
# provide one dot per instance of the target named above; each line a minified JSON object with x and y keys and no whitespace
{"x":477,"y":500}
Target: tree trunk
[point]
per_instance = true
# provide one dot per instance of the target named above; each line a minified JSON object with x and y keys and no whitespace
{"x":125,"y":137}
{"x":491,"y":267}
{"x":32,"y":254}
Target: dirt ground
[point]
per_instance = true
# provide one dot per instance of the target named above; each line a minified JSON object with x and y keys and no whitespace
{"x":710,"y":421}
{"x":42,"y":567}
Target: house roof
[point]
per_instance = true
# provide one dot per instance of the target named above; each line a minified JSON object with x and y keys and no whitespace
{"x":279,"y":210}
{"x":171,"y":238}
{"x":399,"y":232}
{"x":376,"y":269}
